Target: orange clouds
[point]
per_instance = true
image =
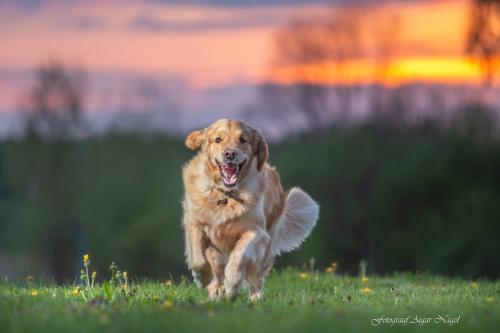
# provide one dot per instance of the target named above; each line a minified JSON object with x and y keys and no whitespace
{"x":213,"y":46}
{"x":419,"y":41}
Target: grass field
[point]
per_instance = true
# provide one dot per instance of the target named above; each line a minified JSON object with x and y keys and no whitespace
{"x":295,"y":301}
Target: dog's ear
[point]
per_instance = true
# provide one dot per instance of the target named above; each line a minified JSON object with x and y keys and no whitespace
{"x":195,"y":139}
{"x":261,"y":149}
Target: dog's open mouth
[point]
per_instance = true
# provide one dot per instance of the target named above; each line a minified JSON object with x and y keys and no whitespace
{"x":230,"y":172}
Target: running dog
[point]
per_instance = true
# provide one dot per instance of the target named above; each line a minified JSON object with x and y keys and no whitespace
{"x":237,"y":218}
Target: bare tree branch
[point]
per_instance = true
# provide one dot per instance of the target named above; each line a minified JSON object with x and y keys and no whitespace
{"x":483,"y":38}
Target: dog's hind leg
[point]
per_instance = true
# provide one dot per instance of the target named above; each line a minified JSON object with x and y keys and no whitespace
{"x":217,"y":261}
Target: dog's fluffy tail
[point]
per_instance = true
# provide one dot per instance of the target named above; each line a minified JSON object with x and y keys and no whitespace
{"x":295,"y":223}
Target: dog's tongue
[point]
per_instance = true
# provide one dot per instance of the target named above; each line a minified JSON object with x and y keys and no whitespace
{"x":230,"y":169}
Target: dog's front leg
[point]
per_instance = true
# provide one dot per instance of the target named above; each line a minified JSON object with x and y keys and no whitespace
{"x":196,"y":243}
{"x":244,"y":253}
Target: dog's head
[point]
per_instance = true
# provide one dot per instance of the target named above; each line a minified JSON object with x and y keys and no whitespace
{"x":231,"y":147}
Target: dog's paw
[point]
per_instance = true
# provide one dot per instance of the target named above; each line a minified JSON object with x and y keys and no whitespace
{"x":202,"y":276}
{"x":256,"y":296}
{"x":231,"y":294}
{"x":231,"y":297}
{"x":197,"y":279}
{"x":215,"y":292}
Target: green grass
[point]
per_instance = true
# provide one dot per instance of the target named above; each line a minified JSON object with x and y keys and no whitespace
{"x":294,"y":302}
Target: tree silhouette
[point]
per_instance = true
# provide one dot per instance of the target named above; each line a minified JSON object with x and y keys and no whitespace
{"x":50,"y":165}
{"x":483,"y":38}
{"x":324,"y":44}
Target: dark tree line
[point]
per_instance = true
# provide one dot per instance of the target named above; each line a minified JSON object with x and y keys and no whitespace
{"x":48,"y":172}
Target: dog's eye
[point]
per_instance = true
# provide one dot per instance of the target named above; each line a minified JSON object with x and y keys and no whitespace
{"x":242,"y":140}
{"x":218,"y":140}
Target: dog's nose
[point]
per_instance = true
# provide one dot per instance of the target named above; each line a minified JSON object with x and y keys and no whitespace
{"x":230,"y":154}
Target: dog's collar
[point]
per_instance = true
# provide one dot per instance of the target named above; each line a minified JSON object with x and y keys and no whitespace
{"x":228,"y":195}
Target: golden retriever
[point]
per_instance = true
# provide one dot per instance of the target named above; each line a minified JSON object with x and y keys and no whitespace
{"x":236,"y":216}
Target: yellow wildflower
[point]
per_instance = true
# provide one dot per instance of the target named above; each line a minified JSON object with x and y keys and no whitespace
{"x":329,"y":269}
{"x":94,"y":273}
{"x":125,"y":274}
{"x":365,"y":279}
{"x":366,"y":290}
{"x":168,"y":304}
{"x":34,"y":293}
{"x":473,"y":285}
{"x":168,"y":283}
{"x":76,"y":291}
{"x":303,"y":275}
{"x":85,"y":258}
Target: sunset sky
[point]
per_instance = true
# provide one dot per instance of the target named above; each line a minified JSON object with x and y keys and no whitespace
{"x":202,"y":49}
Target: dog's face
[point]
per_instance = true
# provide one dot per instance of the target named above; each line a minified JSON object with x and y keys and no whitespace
{"x":230,"y":147}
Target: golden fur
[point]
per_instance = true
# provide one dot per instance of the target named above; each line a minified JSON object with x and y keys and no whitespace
{"x":229,"y":230}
